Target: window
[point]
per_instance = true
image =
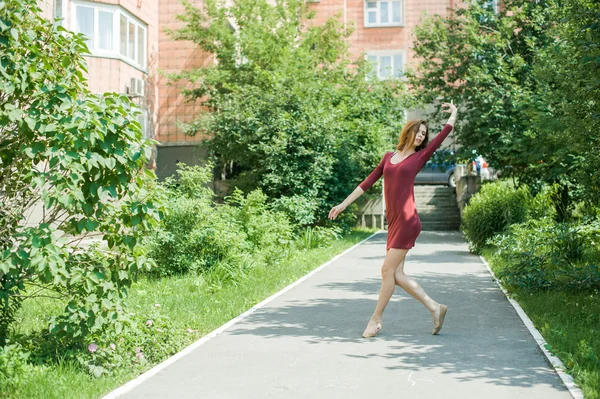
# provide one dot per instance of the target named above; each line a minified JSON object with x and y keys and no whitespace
{"x":58,"y":10}
{"x":383,"y":13}
{"x":84,"y":19}
{"x":111,"y":32}
{"x":386,"y":64}
{"x":105,"y":30}
{"x":493,"y":4}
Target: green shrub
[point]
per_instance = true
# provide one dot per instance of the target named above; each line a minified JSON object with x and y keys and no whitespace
{"x":542,"y":254}
{"x":269,"y":233}
{"x":200,"y":236}
{"x":81,"y":158}
{"x":541,"y":205}
{"x":14,"y":368}
{"x":493,"y":209}
{"x":300,"y":210}
{"x":195,"y":235}
{"x":152,"y":339}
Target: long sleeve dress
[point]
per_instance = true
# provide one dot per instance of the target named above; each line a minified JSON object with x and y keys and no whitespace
{"x":404,"y":225}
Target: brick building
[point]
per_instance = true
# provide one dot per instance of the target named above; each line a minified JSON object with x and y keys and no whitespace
{"x":129,"y":46}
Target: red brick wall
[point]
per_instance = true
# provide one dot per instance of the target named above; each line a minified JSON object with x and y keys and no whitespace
{"x":385,"y":38}
{"x":176,"y":56}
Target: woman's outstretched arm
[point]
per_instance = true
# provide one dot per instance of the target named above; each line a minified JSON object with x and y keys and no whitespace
{"x":336,"y":210}
{"x":358,"y":191}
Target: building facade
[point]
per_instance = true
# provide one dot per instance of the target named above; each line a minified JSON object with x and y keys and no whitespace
{"x":129,"y":47}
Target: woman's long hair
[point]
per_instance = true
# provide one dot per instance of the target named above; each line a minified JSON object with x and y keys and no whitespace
{"x":409,"y":132}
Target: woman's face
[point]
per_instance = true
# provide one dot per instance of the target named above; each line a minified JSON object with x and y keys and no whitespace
{"x":420,"y":136}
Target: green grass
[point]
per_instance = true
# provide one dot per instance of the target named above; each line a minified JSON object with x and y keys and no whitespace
{"x":570,"y":323}
{"x":186,"y":301}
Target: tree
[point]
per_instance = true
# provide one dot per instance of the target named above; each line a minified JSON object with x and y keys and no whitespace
{"x":566,"y":108}
{"x":80,"y":158}
{"x":285,"y":104}
{"x":509,"y":72}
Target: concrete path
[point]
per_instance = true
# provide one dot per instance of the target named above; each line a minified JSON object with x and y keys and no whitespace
{"x":307,"y":343}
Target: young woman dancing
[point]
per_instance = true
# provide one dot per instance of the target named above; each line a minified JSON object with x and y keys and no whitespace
{"x":399,"y":169}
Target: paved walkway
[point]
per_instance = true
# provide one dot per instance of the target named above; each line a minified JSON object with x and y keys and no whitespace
{"x":307,"y":343}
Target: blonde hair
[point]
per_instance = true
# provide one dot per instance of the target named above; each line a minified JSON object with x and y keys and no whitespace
{"x":409,"y":132}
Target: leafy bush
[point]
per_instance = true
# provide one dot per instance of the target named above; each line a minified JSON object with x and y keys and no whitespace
{"x":194,"y":236}
{"x":541,"y":254}
{"x":268,"y":231}
{"x":493,"y":209}
{"x":78,"y":156}
{"x":200,"y":236}
{"x":153,"y":339}
{"x":13,"y":368}
{"x":299,"y":210}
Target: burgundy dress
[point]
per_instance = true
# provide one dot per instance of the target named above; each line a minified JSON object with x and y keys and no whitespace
{"x":404,"y":224}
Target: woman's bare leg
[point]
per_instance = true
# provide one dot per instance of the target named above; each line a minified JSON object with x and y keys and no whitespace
{"x":413,"y":288}
{"x":392,"y":259}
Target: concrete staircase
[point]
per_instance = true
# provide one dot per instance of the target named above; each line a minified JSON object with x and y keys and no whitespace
{"x":437,"y":207}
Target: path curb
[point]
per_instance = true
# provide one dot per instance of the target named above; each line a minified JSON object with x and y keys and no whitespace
{"x":187,"y":350}
{"x":558,"y":366}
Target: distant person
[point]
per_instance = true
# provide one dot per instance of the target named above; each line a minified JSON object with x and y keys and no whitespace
{"x":399,"y":169}
{"x":485,"y":172}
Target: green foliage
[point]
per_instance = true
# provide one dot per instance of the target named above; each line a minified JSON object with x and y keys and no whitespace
{"x":493,"y":209}
{"x":153,"y":339}
{"x":79,"y":157}
{"x":264,"y":228}
{"x":222,"y":240}
{"x":315,"y":237}
{"x":542,"y":254}
{"x":538,"y":114}
{"x":564,"y":109}
{"x":194,"y":236}
{"x":14,"y":368}
{"x":283,"y":105}
{"x":475,"y":48}
{"x":299,"y":210}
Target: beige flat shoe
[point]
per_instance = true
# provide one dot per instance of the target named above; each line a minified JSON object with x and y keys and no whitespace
{"x":443,"y":310}
{"x":367,"y":334}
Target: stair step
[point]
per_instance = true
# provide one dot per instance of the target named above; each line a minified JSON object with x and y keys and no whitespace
{"x":436,"y":202}
{"x":440,"y":223}
{"x":433,"y":188}
{"x":440,"y":207}
{"x":440,"y":228}
{"x":440,"y":219}
{"x":425,"y":201}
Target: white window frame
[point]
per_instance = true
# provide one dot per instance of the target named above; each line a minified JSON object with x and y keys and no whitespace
{"x":377,"y":10}
{"x":387,"y":53}
{"x":494,"y":3}
{"x":62,"y":14}
{"x":117,"y":11}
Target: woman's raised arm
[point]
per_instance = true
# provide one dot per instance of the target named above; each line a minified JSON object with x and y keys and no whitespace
{"x":428,"y":151}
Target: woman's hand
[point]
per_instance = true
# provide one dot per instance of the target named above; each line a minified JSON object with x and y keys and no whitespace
{"x":336,"y":210}
{"x":449,"y":107}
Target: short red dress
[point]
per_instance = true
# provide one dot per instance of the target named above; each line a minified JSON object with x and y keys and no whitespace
{"x":404,"y":225}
